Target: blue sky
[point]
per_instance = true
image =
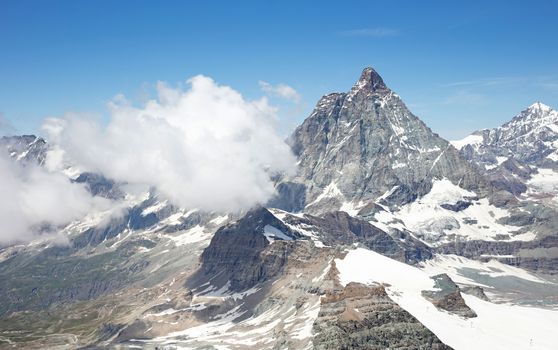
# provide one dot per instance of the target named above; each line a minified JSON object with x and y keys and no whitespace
{"x":460,"y":66}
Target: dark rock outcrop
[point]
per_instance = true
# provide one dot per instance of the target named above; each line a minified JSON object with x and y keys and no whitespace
{"x":459,"y":206}
{"x":240,"y":253}
{"x":98,"y":185}
{"x":447,"y":296}
{"x":475,"y":291}
{"x":290,"y":196}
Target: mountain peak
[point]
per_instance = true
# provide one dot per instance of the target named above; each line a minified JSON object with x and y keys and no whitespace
{"x":370,"y":80}
{"x":539,"y":106}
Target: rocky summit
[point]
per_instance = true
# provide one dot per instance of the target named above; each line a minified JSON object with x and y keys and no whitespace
{"x":386,"y":237}
{"x":358,"y":146}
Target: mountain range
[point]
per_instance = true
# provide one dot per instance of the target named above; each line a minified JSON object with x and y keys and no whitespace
{"x":387,"y":236}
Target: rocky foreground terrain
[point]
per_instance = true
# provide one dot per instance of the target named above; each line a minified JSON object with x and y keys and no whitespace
{"x":388,"y":236}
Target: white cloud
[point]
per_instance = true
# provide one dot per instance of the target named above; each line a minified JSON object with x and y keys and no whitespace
{"x":487,"y":82}
{"x":206,"y":147}
{"x":280,"y":90}
{"x":33,"y":198}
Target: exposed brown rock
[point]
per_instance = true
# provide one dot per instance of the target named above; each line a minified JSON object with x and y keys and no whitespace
{"x":364,"y":317}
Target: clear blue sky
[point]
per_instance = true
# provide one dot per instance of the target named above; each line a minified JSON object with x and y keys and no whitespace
{"x":460,"y":66}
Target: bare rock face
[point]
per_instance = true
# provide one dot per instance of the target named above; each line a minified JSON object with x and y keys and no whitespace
{"x":356,"y":146}
{"x":99,"y":185}
{"x":447,"y":296}
{"x":539,"y":255}
{"x":364,"y":317}
{"x":475,"y":291}
{"x":236,"y":252}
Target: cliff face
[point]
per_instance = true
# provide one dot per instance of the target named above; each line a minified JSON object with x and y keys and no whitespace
{"x":238,"y":253}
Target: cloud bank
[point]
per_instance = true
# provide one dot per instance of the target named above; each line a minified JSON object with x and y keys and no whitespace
{"x":204,"y":147}
{"x":35,"y":201}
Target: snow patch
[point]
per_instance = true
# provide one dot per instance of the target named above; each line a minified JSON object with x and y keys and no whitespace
{"x":194,"y":235}
{"x":330,"y":191}
{"x":430,"y":222}
{"x":272,"y":233}
{"x":545,"y":180}
{"x":469,"y":140}
{"x":219,"y":220}
{"x":154,"y":208}
{"x":351,"y":208}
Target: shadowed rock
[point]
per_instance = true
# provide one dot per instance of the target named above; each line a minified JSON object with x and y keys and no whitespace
{"x":447,"y":296}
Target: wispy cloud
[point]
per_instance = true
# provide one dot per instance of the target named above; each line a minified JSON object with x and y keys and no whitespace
{"x":283,"y":91}
{"x":485,"y":82}
{"x":544,"y":82}
{"x":369,"y":32}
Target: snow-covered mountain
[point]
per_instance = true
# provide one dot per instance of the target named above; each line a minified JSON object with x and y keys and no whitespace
{"x":531,"y":137}
{"x":520,"y":156}
{"x":25,"y":148}
{"x":387,"y":237}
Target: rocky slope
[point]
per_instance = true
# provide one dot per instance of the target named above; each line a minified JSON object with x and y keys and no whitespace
{"x":364,"y":317}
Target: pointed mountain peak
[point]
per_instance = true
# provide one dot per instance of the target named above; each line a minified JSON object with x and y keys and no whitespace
{"x":538,"y":106}
{"x":370,"y":80}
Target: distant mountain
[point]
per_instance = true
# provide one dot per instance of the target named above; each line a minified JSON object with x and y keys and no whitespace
{"x":531,"y":137}
{"x":514,"y":152}
{"x":25,"y":148}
